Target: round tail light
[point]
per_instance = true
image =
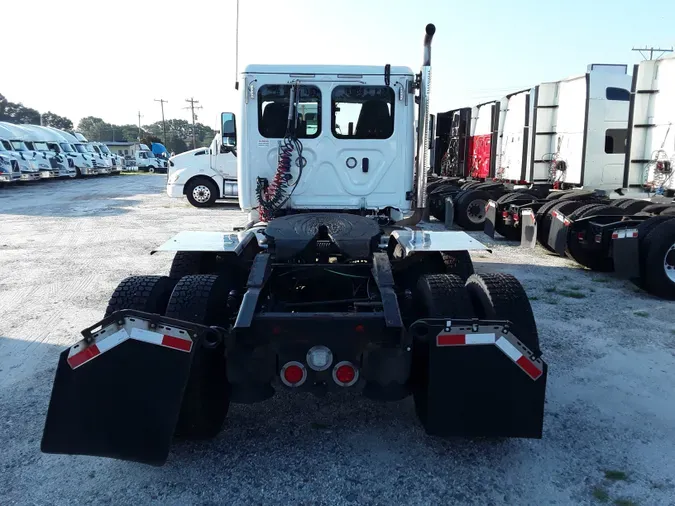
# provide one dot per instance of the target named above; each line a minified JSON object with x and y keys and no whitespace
{"x":345,"y":374}
{"x":293,"y":374}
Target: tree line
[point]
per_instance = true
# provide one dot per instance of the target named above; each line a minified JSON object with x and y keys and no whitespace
{"x":178,"y":131}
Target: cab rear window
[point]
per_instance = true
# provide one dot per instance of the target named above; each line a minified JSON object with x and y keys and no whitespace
{"x":273,"y":107}
{"x":362,"y":112}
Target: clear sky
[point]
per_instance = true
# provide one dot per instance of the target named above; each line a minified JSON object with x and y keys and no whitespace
{"x":111,"y":59}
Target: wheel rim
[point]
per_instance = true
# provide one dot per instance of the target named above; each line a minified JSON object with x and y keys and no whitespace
{"x":476,"y":211}
{"x":151,"y":169}
{"x":669,"y":263}
{"x":201,"y":194}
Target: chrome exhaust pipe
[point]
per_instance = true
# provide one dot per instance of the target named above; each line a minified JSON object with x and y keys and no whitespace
{"x":422,"y":159}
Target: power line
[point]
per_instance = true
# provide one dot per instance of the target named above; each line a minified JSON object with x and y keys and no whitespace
{"x":651,"y":51}
{"x":192,"y":108}
{"x":162,"y":102}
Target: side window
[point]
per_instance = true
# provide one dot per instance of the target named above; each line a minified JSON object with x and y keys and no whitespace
{"x":618,"y":94}
{"x":362,"y":112}
{"x":615,"y":140}
{"x":273,"y":107}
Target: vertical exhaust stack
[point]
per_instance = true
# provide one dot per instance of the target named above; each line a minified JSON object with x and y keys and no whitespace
{"x":423,"y":126}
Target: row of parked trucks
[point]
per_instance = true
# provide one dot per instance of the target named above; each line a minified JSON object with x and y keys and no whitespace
{"x":584,"y":166}
{"x":33,"y":152}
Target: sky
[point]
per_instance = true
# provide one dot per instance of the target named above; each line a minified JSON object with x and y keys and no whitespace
{"x":112,"y":59}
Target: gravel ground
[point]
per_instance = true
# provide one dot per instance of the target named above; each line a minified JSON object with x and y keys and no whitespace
{"x":610,"y":412}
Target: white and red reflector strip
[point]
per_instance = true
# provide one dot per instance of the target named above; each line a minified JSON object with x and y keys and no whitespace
{"x":531,"y":368}
{"x":626,"y":233}
{"x":80,"y":354}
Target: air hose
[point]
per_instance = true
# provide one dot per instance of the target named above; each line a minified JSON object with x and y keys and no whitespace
{"x":272,"y":196}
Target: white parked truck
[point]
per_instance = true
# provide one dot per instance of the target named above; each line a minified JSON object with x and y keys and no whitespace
{"x":58,"y":143}
{"x":28,"y":169}
{"x":337,"y":285}
{"x":205,"y":175}
{"x":40,"y":156}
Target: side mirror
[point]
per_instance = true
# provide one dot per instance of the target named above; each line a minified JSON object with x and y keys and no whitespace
{"x":228,"y":130}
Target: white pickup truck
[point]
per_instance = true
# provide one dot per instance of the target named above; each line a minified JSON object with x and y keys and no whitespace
{"x":205,"y":175}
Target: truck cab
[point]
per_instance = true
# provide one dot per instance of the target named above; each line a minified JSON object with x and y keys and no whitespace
{"x":103,"y":164}
{"x":60,"y":144}
{"x":116,"y":161}
{"x":204,"y":175}
{"x":28,"y":142}
{"x":9,"y":167}
{"x":145,"y":159}
{"x":28,"y":168}
{"x":356,"y":140}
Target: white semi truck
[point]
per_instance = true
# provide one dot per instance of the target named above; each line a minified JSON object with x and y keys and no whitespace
{"x":60,"y":144}
{"x":205,"y":175}
{"x":28,"y":168}
{"x":45,"y":160}
{"x":330,"y":289}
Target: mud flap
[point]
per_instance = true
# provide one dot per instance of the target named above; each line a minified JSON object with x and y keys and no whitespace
{"x":557,"y":235}
{"x":118,"y":392}
{"x":625,"y":253}
{"x":528,"y":223}
{"x":490,"y":218}
{"x":482,"y":381}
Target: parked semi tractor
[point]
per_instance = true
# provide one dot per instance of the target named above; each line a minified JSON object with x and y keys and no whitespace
{"x":205,"y":175}
{"x":28,"y":168}
{"x":59,"y":144}
{"x":626,"y":223}
{"x":331,"y":287}
{"x":43,"y":158}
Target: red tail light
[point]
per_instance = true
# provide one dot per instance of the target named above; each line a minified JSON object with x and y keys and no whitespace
{"x":345,"y":374}
{"x":293,"y":374}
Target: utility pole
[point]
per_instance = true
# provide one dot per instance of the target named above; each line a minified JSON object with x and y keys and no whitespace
{"x":192,"y":108}
{"x":651,"y":51}
{"x":139,"y":126}
{"x":162,"y":102}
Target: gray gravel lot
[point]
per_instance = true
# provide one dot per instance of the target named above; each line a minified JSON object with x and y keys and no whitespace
{"x":610,"y":414}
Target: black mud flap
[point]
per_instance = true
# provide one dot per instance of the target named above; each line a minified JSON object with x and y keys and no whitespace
{"x":118,"y":392}
{"x":528,"y":234}
{"x":557,"y":235}
{"x":449,"y":213}
{"x":625,"y":253}
{"x":482,"y":381}
{"x":490,"y":219}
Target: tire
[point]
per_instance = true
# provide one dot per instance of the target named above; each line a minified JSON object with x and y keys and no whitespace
{"x":502,"y":297}
{"x":458,"y":263}
{"x":151,"y":170}
{"x":555,"y":195}
{"x":470,"y":209}
{"x":511,"y":196}
{"x":655,"y":208}
{"x":489,"y":186}
{"x":668,"y":212}
{"x":435,"y":295}
{"x":562,"y":205}
{"x":187,"y":263}
{"x":141,"y":293}
{"x":619,"y":202}
{"x":202,"y":299}
{"x":633,"y":207}
{"x":578,"y":253}
{"x":201,"y":192}
{"x":542,"y":235}
{"x":469,"y":185}
{"x":577,"y":195}
{"x":659,"y":254}
{"x":644,"y":230}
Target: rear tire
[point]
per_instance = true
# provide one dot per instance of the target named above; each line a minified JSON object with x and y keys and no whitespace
{"x":470,"y":209}
{"x":149,"y":294}
{"x":435,"y":296}
{"x":583,"y":256}
{"x":502,"y":297}
{"x":659,"y":254}
{"x":202,"y":299}
{"x":188,"y":263}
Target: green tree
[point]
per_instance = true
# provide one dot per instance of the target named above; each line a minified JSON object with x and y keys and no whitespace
{"x":56,"y":121}
{"x":93,"y":128}
{"x":17,"y":113}
{"x":148,"y":139}
{"x":176,"y":145}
